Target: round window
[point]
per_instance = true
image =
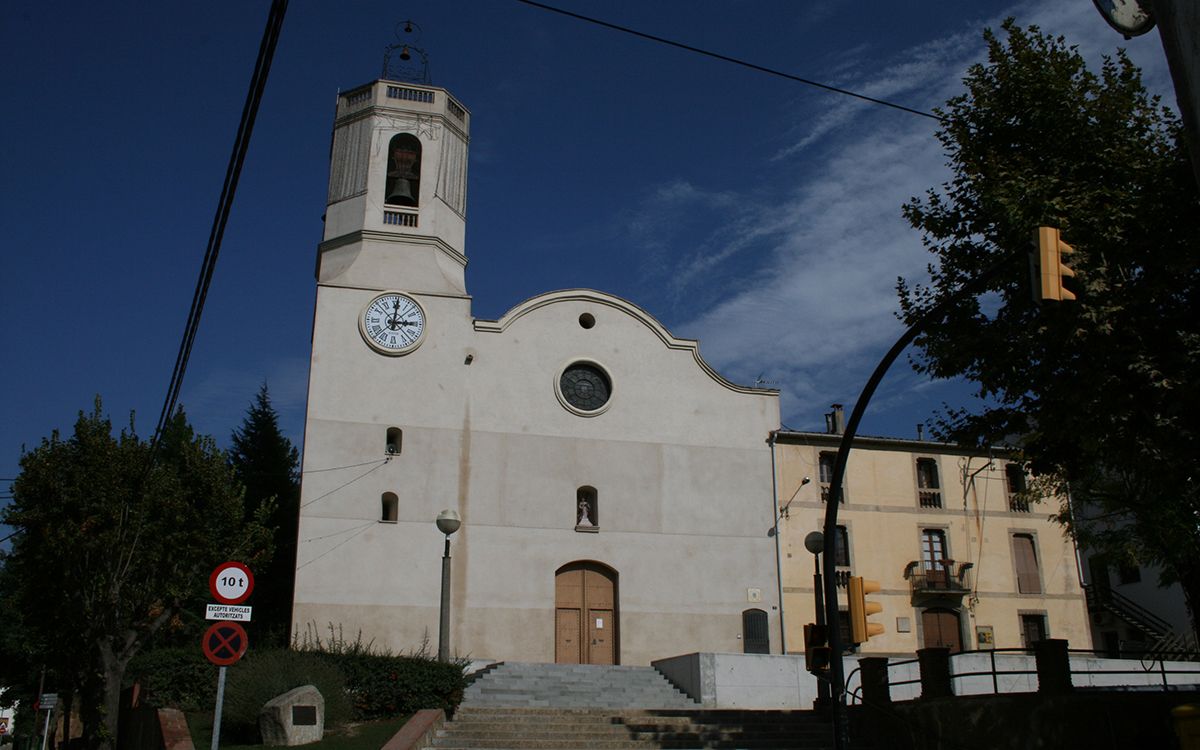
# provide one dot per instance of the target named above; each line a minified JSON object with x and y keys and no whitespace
{"x":585,"y":386}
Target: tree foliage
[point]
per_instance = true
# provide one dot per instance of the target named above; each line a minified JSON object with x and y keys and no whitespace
{"x":110,"y":550}
{"x":268,"y":466}
{"x":1101,"y":393}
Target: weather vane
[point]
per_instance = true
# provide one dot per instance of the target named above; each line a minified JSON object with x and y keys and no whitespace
{"x":404,"y":60}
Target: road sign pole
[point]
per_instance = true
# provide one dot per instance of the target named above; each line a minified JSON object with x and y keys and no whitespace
{"x":46,"y":731}
{"x":216,"y":738}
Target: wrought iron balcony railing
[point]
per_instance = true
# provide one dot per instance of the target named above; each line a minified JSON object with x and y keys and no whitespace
{"x":948,"y":578}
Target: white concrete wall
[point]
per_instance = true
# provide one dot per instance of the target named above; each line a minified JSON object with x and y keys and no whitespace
{"x":679,"y":460}
{"x":741,"y":680}
{"x":760,"y":681}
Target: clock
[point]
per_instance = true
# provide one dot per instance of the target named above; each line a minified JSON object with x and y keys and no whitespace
{"x":393,"y":323}
{"x":1130,"y":17}
{"x":584,"y":388}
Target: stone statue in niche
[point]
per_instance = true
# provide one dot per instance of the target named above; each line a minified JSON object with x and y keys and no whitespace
{"x":584,"y":509}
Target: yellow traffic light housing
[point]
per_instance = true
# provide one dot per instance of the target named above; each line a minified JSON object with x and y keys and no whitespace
{"x":861,"y":629}
{"x":1049,"y":268}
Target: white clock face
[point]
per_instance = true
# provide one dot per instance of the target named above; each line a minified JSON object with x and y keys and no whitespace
{"x":393,"y":323}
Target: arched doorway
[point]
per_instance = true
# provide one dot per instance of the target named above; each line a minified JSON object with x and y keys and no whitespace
{"x":756,"y":637}
{"x":585,"y":612}
{"x":942,"y":629}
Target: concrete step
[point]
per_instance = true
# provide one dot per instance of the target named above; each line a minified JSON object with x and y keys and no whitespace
{"x":568,"y":685}
{"x":498,"y":728}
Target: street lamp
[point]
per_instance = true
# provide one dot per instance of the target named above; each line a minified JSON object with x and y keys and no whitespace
{"x":448,"y":522}
{"x":814,"y":542}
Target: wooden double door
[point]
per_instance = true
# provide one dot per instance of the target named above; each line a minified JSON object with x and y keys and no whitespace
{"x":585,"y":609}
{"x":943,"y":629}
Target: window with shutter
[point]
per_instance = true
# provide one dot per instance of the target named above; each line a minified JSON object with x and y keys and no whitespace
{"x":1025,"y":556}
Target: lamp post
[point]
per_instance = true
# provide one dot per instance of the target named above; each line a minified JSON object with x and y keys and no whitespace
{"x":814,"y":542}
{"x":448,"y":522}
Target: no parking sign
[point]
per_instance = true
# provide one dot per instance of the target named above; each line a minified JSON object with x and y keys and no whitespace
{"x":224,"y":643}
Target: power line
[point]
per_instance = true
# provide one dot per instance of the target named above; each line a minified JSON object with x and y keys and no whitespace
{"x":728,"y":59}
{"x":347,"y":466}
{"x":258,"y":82}
{"x":343,"y":486}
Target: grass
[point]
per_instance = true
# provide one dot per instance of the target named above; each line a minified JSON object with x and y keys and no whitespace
{"x":366,"y":735}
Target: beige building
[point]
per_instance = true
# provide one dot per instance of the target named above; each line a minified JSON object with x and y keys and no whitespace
{"x":615,"y":491}
{"x":964,"y":560}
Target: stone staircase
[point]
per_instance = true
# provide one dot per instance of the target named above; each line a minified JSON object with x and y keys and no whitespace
{"x":577,"y":707}
{"x":516,"y":685}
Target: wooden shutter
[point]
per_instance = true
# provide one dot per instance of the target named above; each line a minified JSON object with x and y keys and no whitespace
{"x":1028,"y":580}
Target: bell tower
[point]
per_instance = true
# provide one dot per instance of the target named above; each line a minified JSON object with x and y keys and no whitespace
{"x":396,"y":209}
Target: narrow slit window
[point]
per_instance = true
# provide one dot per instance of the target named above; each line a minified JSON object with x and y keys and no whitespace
{"x":395,"y":440}
{"x":390,"y":508}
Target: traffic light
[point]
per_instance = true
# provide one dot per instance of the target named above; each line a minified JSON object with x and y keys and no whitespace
{"x":860,"y":609}
{"x":816,"y":648}
{"x":1048,"y":266}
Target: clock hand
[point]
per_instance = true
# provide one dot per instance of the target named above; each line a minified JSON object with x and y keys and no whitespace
{"x":394,"y":321}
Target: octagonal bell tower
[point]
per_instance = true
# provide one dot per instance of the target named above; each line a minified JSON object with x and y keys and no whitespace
{"x":396,"y":208}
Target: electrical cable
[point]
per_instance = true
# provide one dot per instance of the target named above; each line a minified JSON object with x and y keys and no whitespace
{"x":339,"y":533}
{"x":361,"y":529}
{"x":342,"y":486}
{"x":347,"y":466}
{"x":728,"y":59}
{"x":258,"y":82}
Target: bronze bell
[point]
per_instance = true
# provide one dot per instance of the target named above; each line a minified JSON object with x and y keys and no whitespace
{"x":401,"y":193}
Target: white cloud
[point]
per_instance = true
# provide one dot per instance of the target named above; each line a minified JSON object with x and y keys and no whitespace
{"x":819,"y":315}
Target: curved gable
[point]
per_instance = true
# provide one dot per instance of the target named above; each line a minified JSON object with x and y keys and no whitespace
{"x":630,"y":309}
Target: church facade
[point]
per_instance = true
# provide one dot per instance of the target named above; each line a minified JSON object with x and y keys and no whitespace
{"x":615,"y":492}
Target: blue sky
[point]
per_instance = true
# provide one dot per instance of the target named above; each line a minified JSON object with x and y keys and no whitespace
{"x":755,"y":214}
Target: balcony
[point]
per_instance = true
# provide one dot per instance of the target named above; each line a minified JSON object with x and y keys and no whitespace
{"x":825,"y":488}
{"x":951,"y":580}
{"x":929,"y":498}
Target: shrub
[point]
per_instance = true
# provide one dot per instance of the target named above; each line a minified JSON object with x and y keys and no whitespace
{"x":175,"y":677}
{"x":357,"y":680}
{"x":263,"y":675}
{"x":382,"y":684}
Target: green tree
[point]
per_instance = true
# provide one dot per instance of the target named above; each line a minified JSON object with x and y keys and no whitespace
{"x":268,"y":466}
{"x":1102,"y":393}
{"x":110,"y":549}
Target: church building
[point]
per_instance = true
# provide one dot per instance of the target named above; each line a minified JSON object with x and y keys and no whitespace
{"x":615,"y":491}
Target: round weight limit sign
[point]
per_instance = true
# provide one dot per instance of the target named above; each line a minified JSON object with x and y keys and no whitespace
{"x":231,"y":583}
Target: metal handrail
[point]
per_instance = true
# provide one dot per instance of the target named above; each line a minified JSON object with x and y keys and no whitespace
{"x":1105,"y":595}
{"x":1157,"y":664}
